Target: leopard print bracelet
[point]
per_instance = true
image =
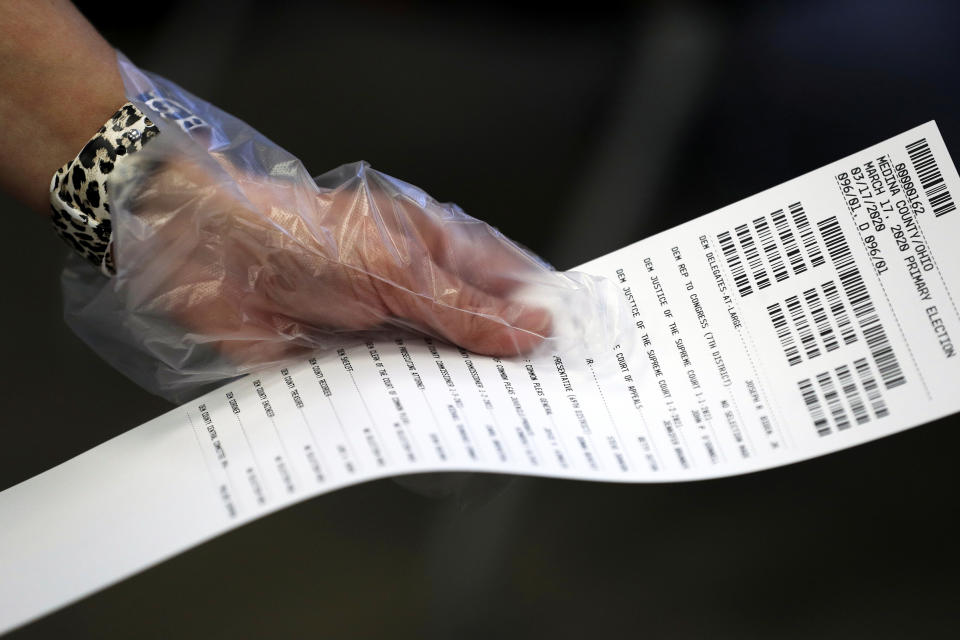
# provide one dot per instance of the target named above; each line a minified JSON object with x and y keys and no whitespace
{"x":78,"y":190}
{"x":79,"y":195}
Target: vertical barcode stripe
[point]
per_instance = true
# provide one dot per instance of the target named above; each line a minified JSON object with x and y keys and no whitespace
{"x":832,"y":397}
{"x":784,"y":334}
{"x":859,"y":298}
{"x":794,"y":255}
{"x":820,"y":319}
{"x":807,"y":339}
{"x":806,"y":234}
{"x":839,"y":311}
{"x":735,"y":264}
{"x":852,"y":394}
{"x":752,"y":254}
{"x":874,"y":395}
{"x":930,"y":177}
{"x":770,"y":249}
{"x":814,"y":407}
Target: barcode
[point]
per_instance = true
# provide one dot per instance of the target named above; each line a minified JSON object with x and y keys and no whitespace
{"x":852,"y":394}
{"x":770,"y":249}
{"x":757,"y":260}
{"x":753,"y":256}
{"x":839,"y":311}
{"x":930,"y":177}
{"x":832,"y":397}
{"x":812,"y":401}
{"x":874,"y":395}
{"x":730,"y":254}
{"x":859,"y":298}
{"x":807,"y":339}
{"x":806,"y":234}
{"x":820,"y":319}
{"x":784,"y":334}
{"x":808,"y":331}
{"x":789,"y":242}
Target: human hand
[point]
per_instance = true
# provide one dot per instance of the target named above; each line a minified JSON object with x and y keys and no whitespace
{"x":263,"y":268}
{"x":230,"y":257}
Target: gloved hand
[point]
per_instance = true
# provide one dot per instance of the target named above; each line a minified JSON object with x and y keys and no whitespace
{"x":230,"y":257}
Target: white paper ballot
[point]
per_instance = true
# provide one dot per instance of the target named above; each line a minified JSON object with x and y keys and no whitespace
{"x":808,"y":318}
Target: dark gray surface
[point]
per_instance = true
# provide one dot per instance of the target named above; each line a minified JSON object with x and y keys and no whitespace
{"x":576,"y":134}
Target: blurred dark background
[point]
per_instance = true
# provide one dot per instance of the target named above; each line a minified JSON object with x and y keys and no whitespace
{"x":576,"y":131}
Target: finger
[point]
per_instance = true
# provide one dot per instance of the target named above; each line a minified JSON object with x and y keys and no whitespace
{"x":469,"y":317}
{"x":472,"y":250}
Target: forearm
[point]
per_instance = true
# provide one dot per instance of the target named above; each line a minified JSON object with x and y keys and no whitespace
{"x":58,"y":84}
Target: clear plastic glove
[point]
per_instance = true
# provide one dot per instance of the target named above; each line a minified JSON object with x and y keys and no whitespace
{"x":231,"y":257}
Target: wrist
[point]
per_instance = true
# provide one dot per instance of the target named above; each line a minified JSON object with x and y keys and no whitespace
{"x":59,"y":82}
{"x":79,"y":197}
{"x":78,"y":194}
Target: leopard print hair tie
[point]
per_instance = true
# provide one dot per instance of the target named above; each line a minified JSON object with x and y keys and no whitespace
{"x":79,"y":195}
